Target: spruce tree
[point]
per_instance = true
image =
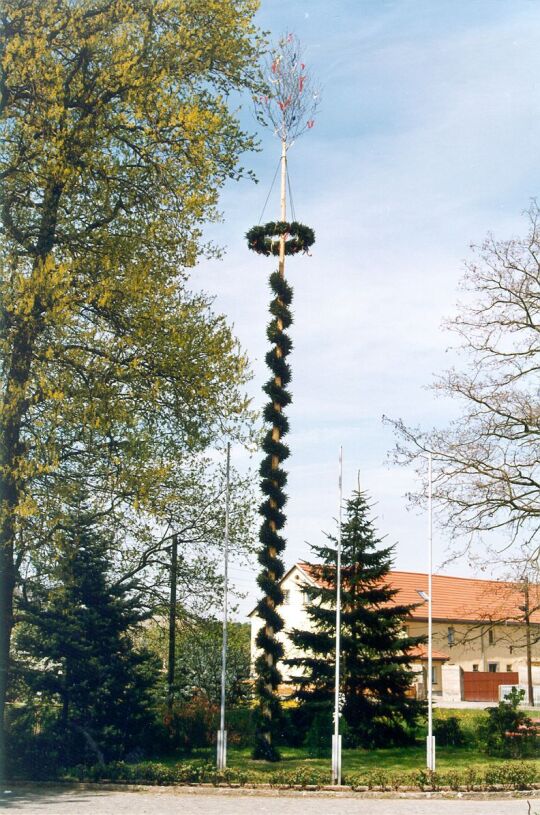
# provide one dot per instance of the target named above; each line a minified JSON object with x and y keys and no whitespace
{"x":375,"y":652}
{"x":75,"y":649}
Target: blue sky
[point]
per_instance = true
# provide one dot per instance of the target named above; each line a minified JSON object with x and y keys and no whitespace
{"x":427,"y":138}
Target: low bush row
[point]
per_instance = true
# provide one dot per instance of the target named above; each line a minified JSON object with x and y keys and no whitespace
{"x":510,"y":775}
{"x":505,"y":731}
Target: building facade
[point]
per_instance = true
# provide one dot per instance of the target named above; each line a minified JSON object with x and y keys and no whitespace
{"x":479,"y":628}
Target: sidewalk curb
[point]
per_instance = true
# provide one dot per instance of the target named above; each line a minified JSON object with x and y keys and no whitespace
{"x":262,"y":791}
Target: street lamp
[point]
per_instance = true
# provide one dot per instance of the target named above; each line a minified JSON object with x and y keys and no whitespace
{"x":427,"y":597}
{"x":222,"y":733}
{"x":336,"y":738}
{"x":430,"y":756}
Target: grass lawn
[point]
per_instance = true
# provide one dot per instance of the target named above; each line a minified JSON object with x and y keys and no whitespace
{"x":359,"y":761}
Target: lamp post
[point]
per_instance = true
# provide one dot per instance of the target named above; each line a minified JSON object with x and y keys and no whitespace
{"x":428,"y":598}
{"x":336,"y":738}
{"x":430,"y":747}
{"x":222,"y":733}
{"x":172,"y":625}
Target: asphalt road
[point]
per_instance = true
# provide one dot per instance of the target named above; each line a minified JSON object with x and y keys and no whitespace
{"x":49,"y":801}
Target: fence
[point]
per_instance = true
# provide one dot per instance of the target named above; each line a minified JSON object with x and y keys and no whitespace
{"x":504,"y":690}
{"x":483,"y":686}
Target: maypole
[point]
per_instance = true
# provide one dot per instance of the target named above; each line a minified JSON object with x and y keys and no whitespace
{"x":289,"y":110}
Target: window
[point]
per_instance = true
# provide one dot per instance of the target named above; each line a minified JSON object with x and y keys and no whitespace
{"x":509,"y":668}
{"x":433,"y":674}
{"x":475,"y":668}
{"x":286,"y":595}
{"x":491,"y":638}
{"x":493,"y":667}
{"x":451,"y":634}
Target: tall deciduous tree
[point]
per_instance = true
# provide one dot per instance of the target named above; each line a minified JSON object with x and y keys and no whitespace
{"x":486,"y":462}
{"x":117,"y":139}
{"x":375,"y":651}
{"x":199,"y":661}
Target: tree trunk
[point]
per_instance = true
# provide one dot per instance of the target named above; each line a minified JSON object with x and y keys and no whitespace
{"x":13,"y":409}
{"x":530,"y":687}
{"x":7,"y":583}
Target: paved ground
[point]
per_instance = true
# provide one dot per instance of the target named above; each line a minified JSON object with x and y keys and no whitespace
{"x":49,"y":801}
{"x":442,"y":703}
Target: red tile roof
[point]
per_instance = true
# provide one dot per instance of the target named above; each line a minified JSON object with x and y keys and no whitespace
{"x":421,"y":652}
{"x":466,"y":599}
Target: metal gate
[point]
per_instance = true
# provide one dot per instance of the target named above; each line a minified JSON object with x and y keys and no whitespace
{"x":483,"y":686}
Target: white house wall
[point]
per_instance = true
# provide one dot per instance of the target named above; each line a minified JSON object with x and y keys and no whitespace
{"x":470,"y":646}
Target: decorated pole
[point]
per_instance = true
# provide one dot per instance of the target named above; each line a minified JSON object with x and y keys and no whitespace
{"x":289,"y":109}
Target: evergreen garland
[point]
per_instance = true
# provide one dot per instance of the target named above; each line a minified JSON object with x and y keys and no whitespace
{"x":273,"y":481}
{"x":262,"y":239}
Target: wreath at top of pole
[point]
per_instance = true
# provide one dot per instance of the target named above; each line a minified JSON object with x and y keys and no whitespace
{"x":292,"y":100}
{"x":288,"y":108}
{"x":265,"y":240}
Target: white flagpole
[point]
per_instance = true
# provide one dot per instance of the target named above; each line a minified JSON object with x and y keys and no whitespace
{"x":336,"y":739}
{"x":430,"y":757}
{"x":222,"y":733}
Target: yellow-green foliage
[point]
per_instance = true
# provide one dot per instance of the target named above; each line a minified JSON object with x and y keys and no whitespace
{"x":117,"y":137}
{"x":117,"y":140}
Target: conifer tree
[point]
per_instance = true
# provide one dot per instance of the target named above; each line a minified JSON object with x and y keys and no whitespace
{"x":75,"y":648}
{"x":375,"y":652}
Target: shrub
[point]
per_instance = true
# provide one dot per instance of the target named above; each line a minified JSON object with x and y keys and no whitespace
{"x":191,"y":725}
{"x":299,"y":777}
{"x":240,"y":726}
{"x":513,"y":775}
{"x":295,"y":723}
{"x":453,"y":779}
{"x":34,"y":744}
{"x":377,"y":778}
{"x":159,"y":774}
{"x":318,"y":741}
{"x":508,"y":731}
{"x":427,"y":780}
{"x":448,"y":732}
{"x":519,"y":776}
{"x":194,"y":724}
{"x":471,"y":778}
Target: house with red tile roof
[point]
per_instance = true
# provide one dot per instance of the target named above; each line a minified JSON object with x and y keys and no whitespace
{"x":479,"y":631}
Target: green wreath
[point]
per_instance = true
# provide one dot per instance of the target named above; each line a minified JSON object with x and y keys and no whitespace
{"x":264,"y":239}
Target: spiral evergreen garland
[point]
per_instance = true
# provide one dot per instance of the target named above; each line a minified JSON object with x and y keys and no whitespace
{"x":288,"y":108}
{"x":273,"y":481}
